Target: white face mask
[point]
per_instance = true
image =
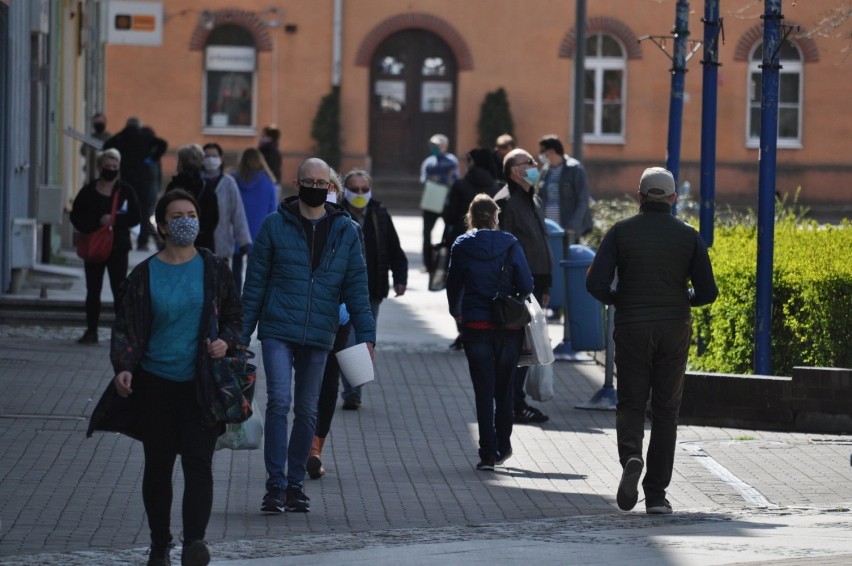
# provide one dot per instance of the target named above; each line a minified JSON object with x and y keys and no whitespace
{"x":331,"y":197}
{"x":357,"y":200}
{"x":212,"y":163}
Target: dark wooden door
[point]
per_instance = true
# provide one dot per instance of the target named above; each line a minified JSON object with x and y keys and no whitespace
{"x":412,"y":96}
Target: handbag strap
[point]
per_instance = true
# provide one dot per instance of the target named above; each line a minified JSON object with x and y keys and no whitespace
{"x":114,"y":205}
{"x":505,"y":266}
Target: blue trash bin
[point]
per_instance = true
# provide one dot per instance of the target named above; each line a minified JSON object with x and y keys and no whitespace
{"x":587,"y":314}
{"x":556,"y":237}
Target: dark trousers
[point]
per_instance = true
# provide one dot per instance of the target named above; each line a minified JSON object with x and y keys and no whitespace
{"x":521,"y":372}
{"x":330,"y":380}
{"x":116,"y":267}
{"x":429,"y":220}
{"x":651,"y":359}
{"x":492,"y":356}
{"x":173,"y":425}
{"x":147,"y":200}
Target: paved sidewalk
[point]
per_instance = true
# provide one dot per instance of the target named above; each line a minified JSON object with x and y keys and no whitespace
{"x":401,"y":486}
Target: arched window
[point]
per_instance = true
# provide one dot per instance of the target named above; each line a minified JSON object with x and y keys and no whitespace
{"x":605,"y":83}
{"x":789,"y":96}
{"x":230,"y":78}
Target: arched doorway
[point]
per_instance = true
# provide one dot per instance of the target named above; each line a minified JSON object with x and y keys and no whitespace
{"x":413,"y":76}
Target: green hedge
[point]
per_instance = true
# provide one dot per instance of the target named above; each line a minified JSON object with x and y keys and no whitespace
{"x":811,"y":301}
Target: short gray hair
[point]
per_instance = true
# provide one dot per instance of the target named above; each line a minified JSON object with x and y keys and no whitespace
{"x":190,"y":156}
{"x":357,"y":173}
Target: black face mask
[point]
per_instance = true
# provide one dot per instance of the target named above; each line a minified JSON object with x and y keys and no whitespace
{"x":99,"y":127}
{"x":311,"y":196}
{"x":109,"y":175}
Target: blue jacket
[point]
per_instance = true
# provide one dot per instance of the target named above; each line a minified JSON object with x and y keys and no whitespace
{"x":476,"y":262}
{"x":260,"y":199}
{"x":289,"y":301}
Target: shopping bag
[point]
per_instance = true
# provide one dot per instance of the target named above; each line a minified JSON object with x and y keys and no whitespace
{"x":539,"y":382}
{"x":440,"y":263}
{"x":234,"y":378}
{"x":537,"y":349}
{"x":96,"y":247}
{"x":247,"y":435}
{"x":434,"y":197}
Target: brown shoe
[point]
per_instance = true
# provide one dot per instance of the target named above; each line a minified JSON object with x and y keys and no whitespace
{"x":314,"y":463}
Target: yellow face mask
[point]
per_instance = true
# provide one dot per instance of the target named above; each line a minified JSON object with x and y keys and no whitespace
{"x":355,"y":199}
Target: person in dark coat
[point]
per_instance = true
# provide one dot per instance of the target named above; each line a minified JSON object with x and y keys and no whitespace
{"x":521,"y":214}
{"x":483,"y":262}
{"x":190,"y":178}
{"x":269,"y":149}
{"x":138,"y":151}
{"x":92,"y":209}
{"x":654,"y":268}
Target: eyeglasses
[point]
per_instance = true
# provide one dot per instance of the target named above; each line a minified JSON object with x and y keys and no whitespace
{"x":315,"y":183}
{"x":524,"y":162}
{"x":359,"y":190}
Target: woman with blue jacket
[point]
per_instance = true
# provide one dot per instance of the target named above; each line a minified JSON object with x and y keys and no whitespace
{"x":476,"y":275}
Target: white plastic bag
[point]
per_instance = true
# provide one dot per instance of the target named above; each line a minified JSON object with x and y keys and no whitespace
{"x":247,"y":435}
{"x":539,"y":383}
{"x":537,"y":349}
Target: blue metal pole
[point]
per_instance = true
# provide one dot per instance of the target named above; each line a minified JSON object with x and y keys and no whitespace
{"x":681,"y":33}
{"x":712,"y":28}
{"x":766,"y":186}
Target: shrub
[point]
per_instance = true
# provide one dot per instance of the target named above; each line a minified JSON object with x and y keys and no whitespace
{"x":811,"y":298}
{"x":495,"y":118}
{"x":325,"y":129}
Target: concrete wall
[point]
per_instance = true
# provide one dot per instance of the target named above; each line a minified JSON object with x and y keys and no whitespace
{"x":812,"y":400}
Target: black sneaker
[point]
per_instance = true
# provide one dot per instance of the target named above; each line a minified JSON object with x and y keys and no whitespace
{"x":195,"y":554}
{"x":628,"y":487}
{"x":296,"y":501}
{"x":351,"y":403}
{"x":158,"y":555}
{"x":527,"y":414}
{"x":273,"y":501}
{"x":486,"y":464}
{"x":658,"y":506}
{"x":502,"y":457}
{"x":89,"y":337}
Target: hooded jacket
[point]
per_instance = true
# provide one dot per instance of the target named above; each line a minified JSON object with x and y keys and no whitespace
{"x":476,"y":264}
{"x":476,"y":180}
{"x":288,"y":300}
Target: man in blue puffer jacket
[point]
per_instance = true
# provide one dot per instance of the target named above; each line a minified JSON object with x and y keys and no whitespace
{"x":306,"y":260}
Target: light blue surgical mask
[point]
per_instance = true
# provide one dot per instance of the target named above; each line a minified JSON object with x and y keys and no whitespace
{"x":531,"y":175}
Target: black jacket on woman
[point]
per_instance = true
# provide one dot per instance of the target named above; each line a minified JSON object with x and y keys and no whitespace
{"x":132,"y":331}
{"x":208,"y":205}
{"x":382,"y":250}
{"x":475,"y":181}
{"x":90,"y":205}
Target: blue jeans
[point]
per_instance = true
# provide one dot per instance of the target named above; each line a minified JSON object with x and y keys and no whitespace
{"x":280,"y":359}
{"x":492,"y":356}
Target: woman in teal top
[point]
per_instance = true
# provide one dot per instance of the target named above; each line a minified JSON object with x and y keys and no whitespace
{"x":161,"y":355}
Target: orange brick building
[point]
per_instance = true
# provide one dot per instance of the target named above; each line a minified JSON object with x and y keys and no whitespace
{"x":409,"y":69}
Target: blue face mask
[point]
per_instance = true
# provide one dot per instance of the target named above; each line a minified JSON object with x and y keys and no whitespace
{"x":435,"y":150}
{"x":531,"y":175}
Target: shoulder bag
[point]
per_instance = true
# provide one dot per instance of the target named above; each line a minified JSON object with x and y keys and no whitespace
{"x":96,"y":247}
{"x":508,"y":311}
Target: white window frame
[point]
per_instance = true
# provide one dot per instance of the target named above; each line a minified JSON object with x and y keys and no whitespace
{"x":599,"y":65}
{"x":789,"y":67}
{"x":246,"y":131}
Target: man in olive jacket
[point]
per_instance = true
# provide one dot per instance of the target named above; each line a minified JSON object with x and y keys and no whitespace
{"x":306,"y":260}
{"x":651,"y":258}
